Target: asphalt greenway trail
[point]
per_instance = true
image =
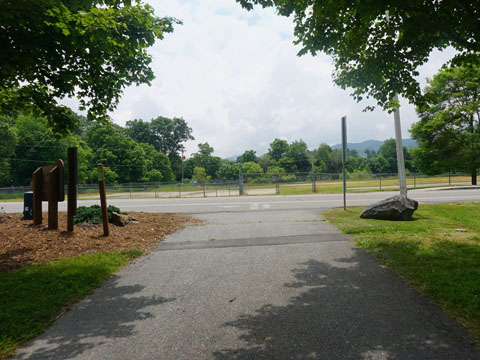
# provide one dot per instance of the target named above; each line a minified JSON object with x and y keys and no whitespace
{"x":258,"y":284}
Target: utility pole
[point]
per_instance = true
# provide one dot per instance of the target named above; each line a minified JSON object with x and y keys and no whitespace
{"x":398,"y":140}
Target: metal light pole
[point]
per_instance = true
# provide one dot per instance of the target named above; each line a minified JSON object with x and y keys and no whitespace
{"x":400,"y":159}
{"x":344,"y":160}
{"x":398,"y":140}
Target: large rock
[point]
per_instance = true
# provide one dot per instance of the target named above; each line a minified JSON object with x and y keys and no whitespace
{"x":119,"y":219}
{"x":122,"y":220}
{"x":395,"y":208}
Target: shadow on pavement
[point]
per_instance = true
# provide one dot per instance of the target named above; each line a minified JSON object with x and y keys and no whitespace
{"x":351,"y":309}
{"x":109,"y":314}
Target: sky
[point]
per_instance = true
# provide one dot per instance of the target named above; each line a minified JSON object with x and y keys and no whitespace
{"x":235,"y":77}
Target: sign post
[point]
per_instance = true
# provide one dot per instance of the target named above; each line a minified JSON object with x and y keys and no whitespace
{"x":344,"y":159}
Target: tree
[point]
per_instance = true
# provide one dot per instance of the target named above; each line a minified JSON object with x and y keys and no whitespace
{"x":200,"y":174}
{"x":36,"y":146}
{"x":297,"y":151}
{"x":228,"y":172}
{"x":375,"y":55}
{"x":275,"y":170}
{"x":288,"y":164}
{"x":251,"y":167}
{"x":278,"y":149}
{"x":8,"y":141}
{"x":370,"y":153}
{"x":140,"y":131}
{"x":205,"y":149}
{"x":157,"y":165}
{"x":265,"y":162}
{"x":388,"y":151}
{"x":91,"y":48}
{"x":248,"y":155}
{"x":131,"y":161}
{"x":206,"y":160}
{"x":169,"y":134}
{"x":449,"y":128}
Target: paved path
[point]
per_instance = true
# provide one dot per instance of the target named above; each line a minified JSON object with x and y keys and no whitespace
{"x":270,"y":284}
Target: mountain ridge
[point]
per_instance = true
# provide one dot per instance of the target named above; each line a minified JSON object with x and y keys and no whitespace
{"x":373,"y":145}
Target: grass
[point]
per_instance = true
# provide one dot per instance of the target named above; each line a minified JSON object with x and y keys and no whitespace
{"x":33,"y":297}
{"x":441,"y":263}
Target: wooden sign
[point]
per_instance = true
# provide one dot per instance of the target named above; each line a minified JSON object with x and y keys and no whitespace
{"x":47,"y":182}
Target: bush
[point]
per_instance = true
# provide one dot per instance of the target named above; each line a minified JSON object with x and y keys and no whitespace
{"x":93,"y":214}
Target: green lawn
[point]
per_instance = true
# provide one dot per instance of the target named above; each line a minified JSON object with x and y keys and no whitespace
{"x":33,"y":297}
{"x":441,"y":263}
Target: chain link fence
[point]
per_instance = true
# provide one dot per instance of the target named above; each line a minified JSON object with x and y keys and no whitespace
{"x":258,"y":184}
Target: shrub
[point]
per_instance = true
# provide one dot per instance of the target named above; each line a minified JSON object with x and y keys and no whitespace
{"x":93,"y":214}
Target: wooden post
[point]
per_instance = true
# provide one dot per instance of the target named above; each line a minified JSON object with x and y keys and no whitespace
{"x":72,"y":186}
{"x":53,"y":199}
{"x":103,"y":199}
{"x":37,"y":196}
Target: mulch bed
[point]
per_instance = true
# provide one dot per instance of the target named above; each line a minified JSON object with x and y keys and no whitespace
{"x":22,"y":243}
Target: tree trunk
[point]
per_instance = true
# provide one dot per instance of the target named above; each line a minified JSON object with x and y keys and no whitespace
{"x":474,"y":176}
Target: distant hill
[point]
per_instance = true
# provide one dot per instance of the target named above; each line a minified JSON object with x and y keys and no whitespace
{"x":374,"y":145}
{"x":233,"y":158}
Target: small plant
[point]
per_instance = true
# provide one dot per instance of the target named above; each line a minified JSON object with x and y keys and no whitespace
{"x":93,"y":214}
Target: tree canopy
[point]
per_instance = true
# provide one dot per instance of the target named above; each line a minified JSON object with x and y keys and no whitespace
{"x":89,"y":48}
{"x":376,"y":54}
{"x":449,"y":128}
{"x":166,"y":135}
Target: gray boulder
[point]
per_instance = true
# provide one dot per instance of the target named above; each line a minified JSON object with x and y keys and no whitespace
{"x":119,"y":219}
{"x":122,"y":220}
{"x":395,"y":208}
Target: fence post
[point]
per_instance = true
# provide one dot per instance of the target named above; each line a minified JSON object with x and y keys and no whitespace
{"x":449,"y":180}
{"x":203,"y":189}
{"x":314,"y":185}
{"x":240,"y":182}
{"x":414,"y":180}
{"x":380,"y":177}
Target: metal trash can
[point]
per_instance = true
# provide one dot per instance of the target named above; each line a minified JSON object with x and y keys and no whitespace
{"x":28,"y":205}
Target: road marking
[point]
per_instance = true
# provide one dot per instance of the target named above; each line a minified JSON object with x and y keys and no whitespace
{"x":255,"y":206}
{"x":231,"y":206}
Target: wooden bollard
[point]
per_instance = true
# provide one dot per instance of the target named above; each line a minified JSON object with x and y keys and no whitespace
{"x":53,"y":199}
{"x":103,"y":199}
{"x":72,"y":158}
{"x":37,"y":196}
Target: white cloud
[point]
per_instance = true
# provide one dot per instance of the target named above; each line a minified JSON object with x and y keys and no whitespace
{"x":234,"y":76}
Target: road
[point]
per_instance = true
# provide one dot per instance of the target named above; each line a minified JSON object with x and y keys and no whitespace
{"x":253,"y":203}
{"x":261,"y":278}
